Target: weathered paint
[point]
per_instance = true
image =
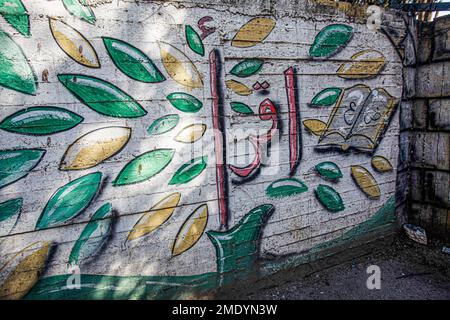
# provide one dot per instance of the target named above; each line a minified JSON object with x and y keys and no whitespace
{"x":191,"y":230}
{"x":74,"y":44}
{"x":15,"y":13}
{"x":93,"y":236}
{"x":253,"y":32}
{"x":424,"y":157}
{"x":179,"y":67}
{"x":155,"y":217}
{"x":204,"y":144}
{"x":25,"y":271}
{"x":16,"y":164}
{"x":16,"y":72}
{"x":191,"y":133}
{"x":95,"y":147}
{"x":194,"y":41}
{"x":185,"y":102}
{"x":144,"y":167}
{"x":294,"y":120}
{"x":178,"y":287}
{"x":102,"y":96}
{"x":285,"y":187}
{"x":364,"y":64}
{"x":69,"y":200}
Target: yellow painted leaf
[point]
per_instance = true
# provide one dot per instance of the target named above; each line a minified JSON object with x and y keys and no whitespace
{"x":316,"y":127}
{"x":253,"y":32}
{"x":179,"y":67}
{"x":238,"y":88}
{"x":191,"y":230}
{"x":155,"y":217}
{"x":364,"y":64}
{"x":365,"y":181}
{"x":95,"y":147}
{"x":74,"y":44}
{"x":191,"y":133}
{"x":381,"y":164}
{"x":25,"y":273}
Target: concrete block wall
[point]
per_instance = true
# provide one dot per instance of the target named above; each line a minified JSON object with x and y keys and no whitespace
{"x":426,"y":125}
{"x":100,"y":201}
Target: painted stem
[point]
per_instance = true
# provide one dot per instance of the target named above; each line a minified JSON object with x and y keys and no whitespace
{"x":218,"y":139}
{"x":294,"y":145}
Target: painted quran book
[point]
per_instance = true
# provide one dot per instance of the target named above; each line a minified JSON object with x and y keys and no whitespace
{"x":359,"y":118}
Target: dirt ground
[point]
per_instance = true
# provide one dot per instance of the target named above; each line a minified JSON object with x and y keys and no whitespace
{"x":408,"y":271}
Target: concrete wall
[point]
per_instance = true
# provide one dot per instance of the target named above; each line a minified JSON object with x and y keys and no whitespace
{"x":98,"y":202}
{"x":425,"y":128}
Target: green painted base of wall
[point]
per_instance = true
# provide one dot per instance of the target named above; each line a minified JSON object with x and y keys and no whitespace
{"x":101,"y":287}
{"x":98,"y":287}
{"x":381,"y":222}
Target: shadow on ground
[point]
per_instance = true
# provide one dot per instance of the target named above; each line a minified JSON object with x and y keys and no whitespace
{"x":408,"y":271}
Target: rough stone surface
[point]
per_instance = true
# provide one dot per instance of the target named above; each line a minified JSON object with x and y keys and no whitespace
{"x":431,"y":80}
{"x":425,"y":34}
{"x":426,"y":128}
{"x":419,"y":111}
{"x":406,"y":114}
{"x":436,"y":186}
{"x":410,"y":82}
{"x":441,"y":39}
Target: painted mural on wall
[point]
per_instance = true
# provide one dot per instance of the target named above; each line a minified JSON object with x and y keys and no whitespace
{"x":130,"y":142}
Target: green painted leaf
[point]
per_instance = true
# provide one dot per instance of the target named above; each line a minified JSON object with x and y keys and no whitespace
{"x":326,"y":97}
{"x":241,"y":108}
{"x":247,"y":68}
{"x":285,"y":187}
{"x":15,"y":71}
{"x":83,"y":12}
{"x":102,"y":96}
{"x":194,"y":41}
{"x":330,"y":40}
{"x":132,"y":61}
{"x":93,"y":236}
{"x":237,"y":248}
{"x":10,"y":208}
{"x":330,"y":198}
{"x":16,"y":164}
{"x":16,"y":15}
{"x":185,"y":102}
{"x":40,"y":121}
{"x":70,"y":200}
{"x":9,"y":214}
{"x":163,"y":124}
{"x":144,"y":167}
{"x":329,"y":170}
{"x":189,"y":170}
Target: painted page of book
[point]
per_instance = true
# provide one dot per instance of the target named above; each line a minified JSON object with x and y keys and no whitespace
{"x":344,"y":115}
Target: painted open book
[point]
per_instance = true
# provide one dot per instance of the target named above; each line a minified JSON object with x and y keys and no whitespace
{"x":359,"y":118}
